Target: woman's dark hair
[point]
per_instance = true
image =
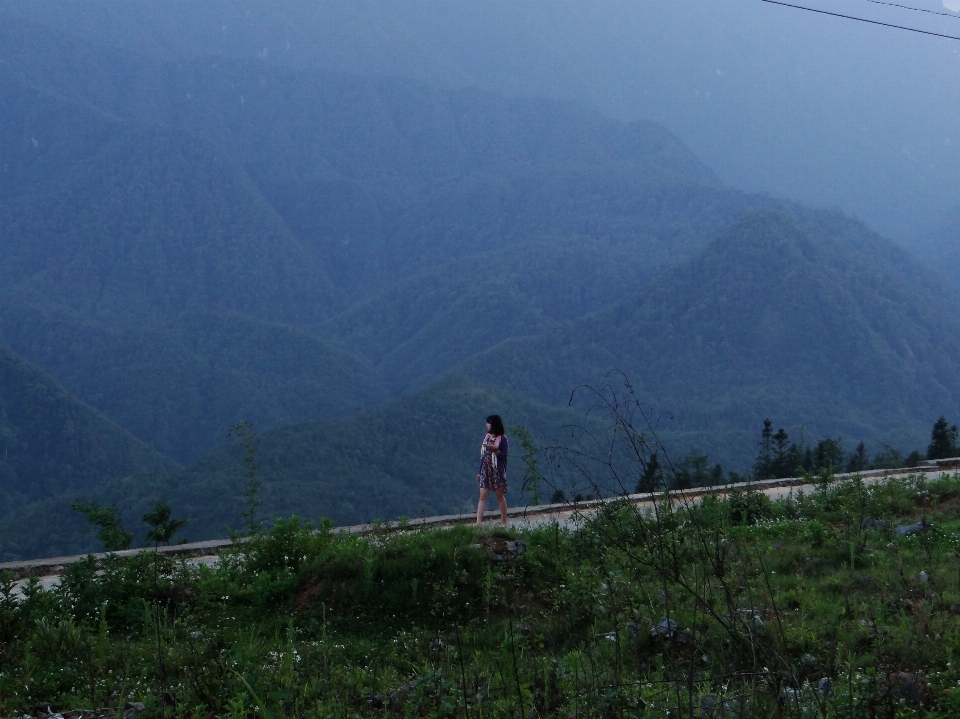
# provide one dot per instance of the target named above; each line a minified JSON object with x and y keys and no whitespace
{"x":496,"y":424}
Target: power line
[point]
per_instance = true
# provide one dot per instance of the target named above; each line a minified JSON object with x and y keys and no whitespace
{"x":952,"y":16}
{"x":862,"y":19}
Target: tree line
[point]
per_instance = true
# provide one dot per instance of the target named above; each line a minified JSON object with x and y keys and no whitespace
{"x":779,"y":457}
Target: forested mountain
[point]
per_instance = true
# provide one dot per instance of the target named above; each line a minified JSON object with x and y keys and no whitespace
{"x":181,"y":385}
{"x":51,"y":443}
{"x":802,"y":105}
{"x":798,"y":314}
{"x":136,"y":225}
{"x":416,"y":455}
{"x":422,"y":326}
{"x":383,"y":177}
{"x":140,"y":195}
{"x":188,"y":240}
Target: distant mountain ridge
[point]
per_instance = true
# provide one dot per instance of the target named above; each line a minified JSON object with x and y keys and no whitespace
{"x":139,"y":194}
{"x":805,"y":316}
{"x":380,"y":174}
{"x":421,"y":327}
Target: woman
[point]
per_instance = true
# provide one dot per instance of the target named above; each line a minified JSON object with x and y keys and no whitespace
{"x":493,"y":468}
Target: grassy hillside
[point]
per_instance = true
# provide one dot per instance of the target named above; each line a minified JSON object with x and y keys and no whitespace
{"x":805,"y":317}
{"x":815,"y":605}
{"x":51,"y":443}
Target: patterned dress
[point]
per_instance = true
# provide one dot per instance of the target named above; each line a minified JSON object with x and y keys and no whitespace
{"x":493,"y":467}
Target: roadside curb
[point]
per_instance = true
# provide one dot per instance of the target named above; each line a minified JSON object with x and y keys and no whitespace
{"x":55,"y":565}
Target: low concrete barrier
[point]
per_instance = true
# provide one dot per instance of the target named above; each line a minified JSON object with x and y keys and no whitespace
{"x":55,"y":565}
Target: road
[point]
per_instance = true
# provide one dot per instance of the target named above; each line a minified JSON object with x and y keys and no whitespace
{"x":566,"y":515}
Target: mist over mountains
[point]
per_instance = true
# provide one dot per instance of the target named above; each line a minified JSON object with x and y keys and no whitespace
{"x":191,"y":235}
{"x":814,"y":108}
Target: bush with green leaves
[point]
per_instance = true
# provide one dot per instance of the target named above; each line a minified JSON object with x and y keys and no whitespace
{"x":731,"y":602}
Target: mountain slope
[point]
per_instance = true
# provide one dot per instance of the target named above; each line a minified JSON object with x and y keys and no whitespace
{"x":179,"y":386}
{"x":415,"y":455}
{"x":139,"y":225}
{"x":420,"y":327}
{"x":383,"y":177}
{"x":138,"y":194}
{"x":805,"y":317}
{"x":51,"y":443}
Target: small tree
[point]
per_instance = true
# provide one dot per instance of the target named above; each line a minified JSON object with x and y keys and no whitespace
{"x":829,"y":455}
{"x":531,"y":471}
{"x":162,"y":527}
{"x":778,"y":457}
{"x":110,"y":530}
{"x":858,"y":459}
{"x":913,"y":459}
{"x":693,"y":471}
{"x":716,"y":474}
{"x":763,"y":467}
{"x":251,"y":493}
{"x":652,"y":476}
{"x":888,"y":458}
{"x":943,"y":440}
{"x":781,"y":446}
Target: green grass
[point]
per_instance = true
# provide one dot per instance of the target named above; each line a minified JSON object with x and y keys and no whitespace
{"x":768,"y":599}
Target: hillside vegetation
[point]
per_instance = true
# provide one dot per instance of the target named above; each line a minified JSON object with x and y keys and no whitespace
{"x":816,"y":605}
{"x":787,"y":313}
{"x":415,"y":456}
{"x":140,"y":194}
{"x":182,"y":385}
{"x":50,"y":443}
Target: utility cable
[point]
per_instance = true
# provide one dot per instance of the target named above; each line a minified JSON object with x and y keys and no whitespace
{"x":862,"y":19}
{"x":952,"y":16}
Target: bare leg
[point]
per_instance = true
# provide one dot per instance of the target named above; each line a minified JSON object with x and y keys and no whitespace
{"x":482,"y":505}
{"x":502,"y":501}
